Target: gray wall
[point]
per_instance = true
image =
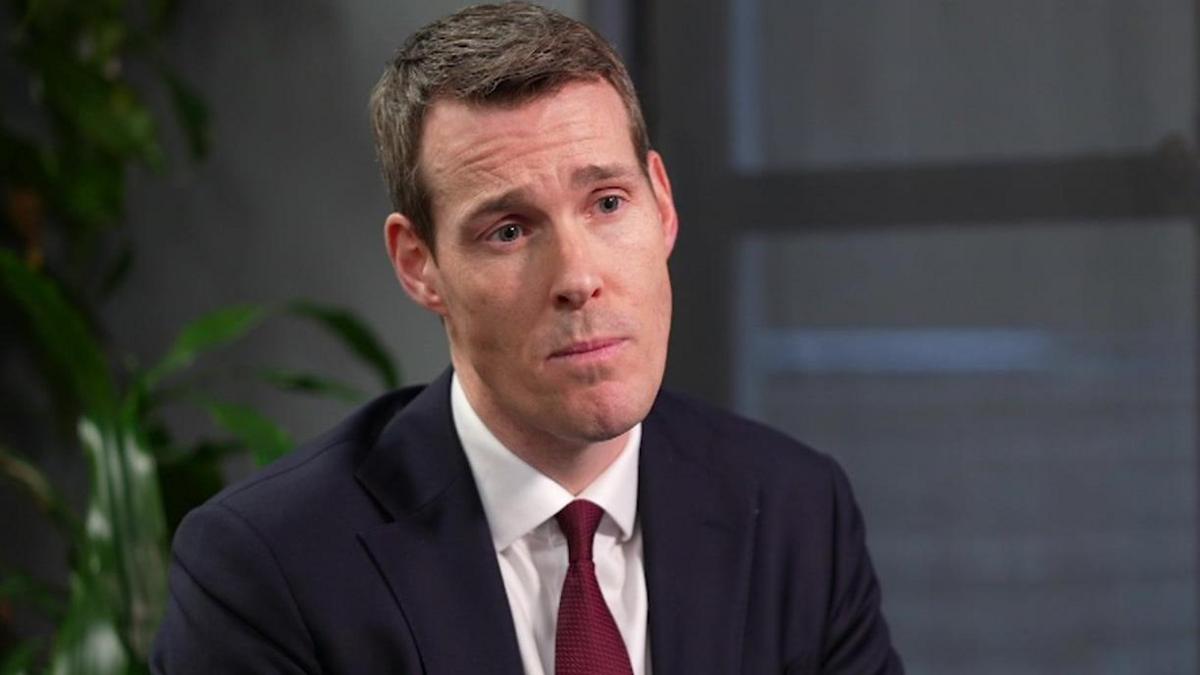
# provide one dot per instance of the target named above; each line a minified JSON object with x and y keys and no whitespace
{"x":957,"y":266}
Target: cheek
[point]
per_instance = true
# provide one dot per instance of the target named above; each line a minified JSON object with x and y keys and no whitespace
{"x":486,"y":313}
{"x":658,"y":293}
{"x":662,"y":309}
{"x":643,"y":268}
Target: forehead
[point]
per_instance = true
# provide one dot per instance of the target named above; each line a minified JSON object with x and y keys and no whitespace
{"x":469,"y":148}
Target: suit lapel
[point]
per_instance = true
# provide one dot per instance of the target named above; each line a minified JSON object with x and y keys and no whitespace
{"x":698,"y":530}
{"x":437,"y":555}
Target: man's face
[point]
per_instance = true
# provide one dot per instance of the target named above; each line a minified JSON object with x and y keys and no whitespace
{"x":551,"y":265}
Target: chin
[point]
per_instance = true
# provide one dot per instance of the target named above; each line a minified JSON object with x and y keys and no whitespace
{"x":605,"y":412}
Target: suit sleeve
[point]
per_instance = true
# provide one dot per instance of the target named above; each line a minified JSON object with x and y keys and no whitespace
{"x":230,"y":609}
{"x":858,"y":641}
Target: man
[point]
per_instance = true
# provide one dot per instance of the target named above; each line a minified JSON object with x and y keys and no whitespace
{"x":542,"y":507}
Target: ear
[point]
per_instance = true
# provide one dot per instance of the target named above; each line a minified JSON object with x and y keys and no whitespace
{"x":413,"y":261}
{"x":662,"y":195}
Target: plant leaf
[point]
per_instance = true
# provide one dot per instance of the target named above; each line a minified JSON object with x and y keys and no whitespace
{"x":191,"y":113}
{"x":122,"y":545}
{"x":19,"y":160}
{"x":41,"y":490}
{"x":213,"y":330}
{"x":267,"y":441}
{"x":88,"y":639}
{"x":162,"y":12}
{"x":190,"y":478}
{"x":19,"y":660}
{"x":25,"y":588}
{"x":354,"y":334}
{"x":309,"y":383}
{"x":89,"y":186}
{"x":63,"y":334}
{"x":117,"y":272}
{"x":124,"y":550}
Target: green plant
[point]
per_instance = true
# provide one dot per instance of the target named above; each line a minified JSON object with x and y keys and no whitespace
{"x":118,"y":583}
{"x":66,"y":149}
{"x":65,"y":153}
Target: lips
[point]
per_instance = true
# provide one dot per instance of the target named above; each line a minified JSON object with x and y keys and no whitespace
{"x":587,"y":348}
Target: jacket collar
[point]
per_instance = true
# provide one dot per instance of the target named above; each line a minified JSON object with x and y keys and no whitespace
{"x":438,"y":559}
{"x":436,"y":555}
{"x":698,"y":519}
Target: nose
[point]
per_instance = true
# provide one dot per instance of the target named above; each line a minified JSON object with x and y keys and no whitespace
{"x":578,"y":278}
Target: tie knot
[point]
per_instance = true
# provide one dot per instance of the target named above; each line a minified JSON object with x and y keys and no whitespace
{"x":578,"y":522}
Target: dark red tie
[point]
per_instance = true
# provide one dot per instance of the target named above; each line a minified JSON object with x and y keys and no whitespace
{"x":586,"y":641}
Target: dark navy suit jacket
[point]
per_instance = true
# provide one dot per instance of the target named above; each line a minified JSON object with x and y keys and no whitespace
{"x":367,"y":551}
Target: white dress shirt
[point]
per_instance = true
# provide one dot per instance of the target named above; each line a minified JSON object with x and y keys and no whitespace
{"x":520,"y":503}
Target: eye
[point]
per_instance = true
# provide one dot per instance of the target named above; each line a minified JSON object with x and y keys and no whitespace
{"x":610,"y":204}
{"x":507,"y":233}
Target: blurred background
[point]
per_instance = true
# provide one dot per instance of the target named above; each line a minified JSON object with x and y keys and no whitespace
{"x":951,"y":243}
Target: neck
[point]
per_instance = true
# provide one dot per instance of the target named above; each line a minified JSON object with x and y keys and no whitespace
{"x":572,"y":468}
{"x":573,"y":464}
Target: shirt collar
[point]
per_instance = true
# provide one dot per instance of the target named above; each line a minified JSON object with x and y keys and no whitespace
{"x":517,"y":498}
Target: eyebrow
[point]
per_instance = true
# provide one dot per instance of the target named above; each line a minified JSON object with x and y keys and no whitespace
{"x":595,"y":173}
{"x":582,"y":177}
{"x":507,"y":201}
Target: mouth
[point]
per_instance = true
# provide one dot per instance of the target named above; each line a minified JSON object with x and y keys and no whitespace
{"x":588,"y":349}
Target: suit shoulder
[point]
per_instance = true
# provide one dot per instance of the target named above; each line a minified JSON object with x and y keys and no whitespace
{"x":318,"y":473}
{"x":741,"y":444}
